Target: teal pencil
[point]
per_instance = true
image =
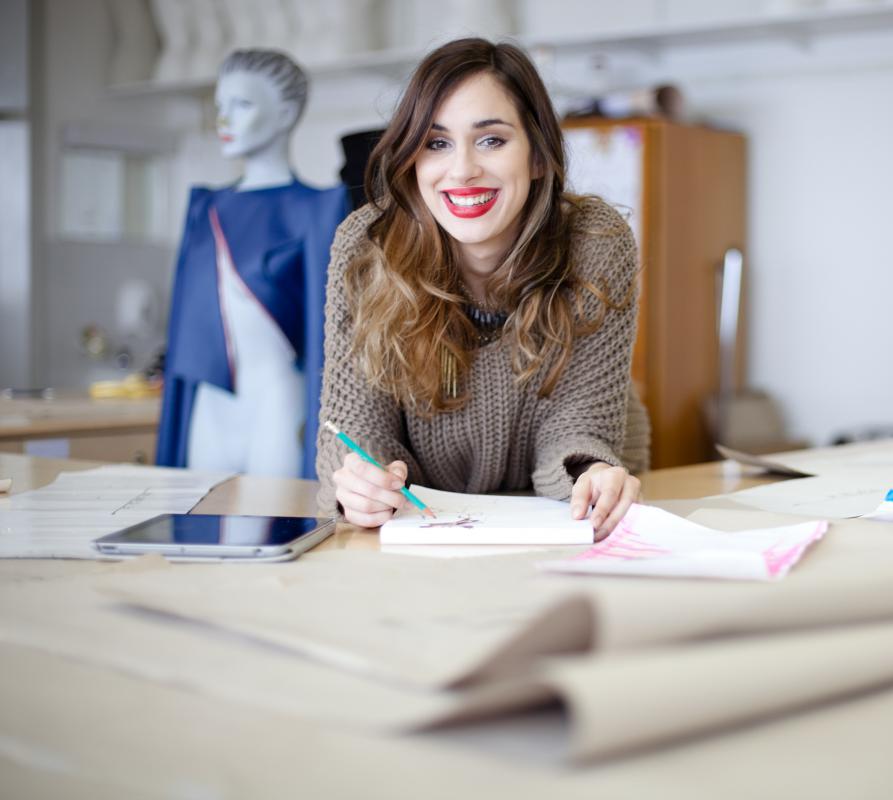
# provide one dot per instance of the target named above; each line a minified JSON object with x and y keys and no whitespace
{"x":366,"y":457}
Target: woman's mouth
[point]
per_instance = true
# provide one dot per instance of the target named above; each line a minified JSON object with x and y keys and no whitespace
{"x":468,"y":203}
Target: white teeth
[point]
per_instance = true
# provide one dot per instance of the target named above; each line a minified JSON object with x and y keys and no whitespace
{"x":471,"y":200}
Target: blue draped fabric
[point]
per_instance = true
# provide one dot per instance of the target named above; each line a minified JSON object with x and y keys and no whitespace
{"x":280,"y":239}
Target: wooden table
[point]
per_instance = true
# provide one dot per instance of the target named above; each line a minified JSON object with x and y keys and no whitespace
{"x":80,"y":728}
{"x":74,"y":425}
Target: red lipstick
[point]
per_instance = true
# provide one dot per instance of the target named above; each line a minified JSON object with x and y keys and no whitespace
{"x":469,"y":211}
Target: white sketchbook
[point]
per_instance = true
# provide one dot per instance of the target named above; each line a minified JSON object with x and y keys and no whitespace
{"x":484,"y":519}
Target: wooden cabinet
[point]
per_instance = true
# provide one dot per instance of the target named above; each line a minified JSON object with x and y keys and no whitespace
{"x":685,"y":189}
{"x":75,"y":426}
{"x":133,"y":448}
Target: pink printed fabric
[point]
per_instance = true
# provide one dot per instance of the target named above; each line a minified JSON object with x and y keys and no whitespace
{"x":651,"y":541}
{"x":779,"y":560}
{"x":624,"y":544}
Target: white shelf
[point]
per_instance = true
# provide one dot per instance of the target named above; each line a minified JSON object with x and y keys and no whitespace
{"x":798,"y":28}
{"x":156,"y":88}
{"x":391,"y":62}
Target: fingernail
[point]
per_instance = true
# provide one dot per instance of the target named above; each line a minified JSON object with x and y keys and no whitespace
{"x":577,"y":511}
{"x":596,"y":523}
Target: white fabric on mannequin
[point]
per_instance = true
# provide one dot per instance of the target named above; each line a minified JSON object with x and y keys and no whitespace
{"x":256,"y":429}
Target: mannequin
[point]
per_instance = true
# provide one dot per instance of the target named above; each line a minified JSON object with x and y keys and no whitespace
{"x":244,"y":363}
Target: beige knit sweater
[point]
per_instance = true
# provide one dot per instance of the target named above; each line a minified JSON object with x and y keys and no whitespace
{"x":505,"y":438}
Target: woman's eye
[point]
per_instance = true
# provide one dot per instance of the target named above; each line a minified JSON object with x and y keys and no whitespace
{"x":437,"y":144}
{"x":491,"y":142}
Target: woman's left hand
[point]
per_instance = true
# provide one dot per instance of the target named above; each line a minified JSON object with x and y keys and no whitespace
{"x":610,"y":491}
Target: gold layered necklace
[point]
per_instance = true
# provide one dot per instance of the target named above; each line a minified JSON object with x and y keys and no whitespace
{"x":488,"y":321}
{"x":449,"y":373}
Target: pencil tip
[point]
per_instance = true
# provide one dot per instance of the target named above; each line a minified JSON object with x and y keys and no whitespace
{"x":430,"y":513}
{"x":329,"y":426}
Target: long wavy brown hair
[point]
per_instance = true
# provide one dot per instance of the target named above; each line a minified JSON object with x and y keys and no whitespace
{"x":403,"y":289}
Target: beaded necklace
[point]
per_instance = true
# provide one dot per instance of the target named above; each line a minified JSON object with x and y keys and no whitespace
{"x":489,"y":324}
{"x":488,"y":319}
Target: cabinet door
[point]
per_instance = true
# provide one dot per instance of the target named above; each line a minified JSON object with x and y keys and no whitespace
{"x":134,"y":448}
{"x":695,"y":211}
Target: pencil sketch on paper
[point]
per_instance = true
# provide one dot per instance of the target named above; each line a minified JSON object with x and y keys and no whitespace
{"x":463,"y":521}
{"x":470,"y":519}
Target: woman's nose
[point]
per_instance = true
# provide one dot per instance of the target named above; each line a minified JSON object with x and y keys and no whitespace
{"x":464,"y":165}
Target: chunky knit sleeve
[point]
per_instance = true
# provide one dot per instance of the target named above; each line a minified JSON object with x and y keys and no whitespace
{"x":636,"y":453}
{"x":586,"y":414}
{"x":371,"y":418}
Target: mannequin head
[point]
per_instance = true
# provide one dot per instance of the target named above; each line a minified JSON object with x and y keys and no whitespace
{"x":260,"y":97}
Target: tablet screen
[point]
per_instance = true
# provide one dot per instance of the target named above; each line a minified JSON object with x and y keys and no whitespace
{"x":187,"y":533}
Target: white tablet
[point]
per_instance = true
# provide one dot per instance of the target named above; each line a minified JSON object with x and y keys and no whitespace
{"x":214,"y":537}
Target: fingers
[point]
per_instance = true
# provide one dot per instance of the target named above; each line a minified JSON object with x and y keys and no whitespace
{"x":368,"y":494}
{"x":610,"y":486}
{"x":629,"y":494}
{"x":354,"y":513}
{"x":609,"y":491}
{"x":589,"y":487}
{"x":582,"y":495}
{"x":399,"y":468}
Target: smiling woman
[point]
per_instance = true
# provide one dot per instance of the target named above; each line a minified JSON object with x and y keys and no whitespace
{"x":474,"y":174}
{"x":479,"y":319}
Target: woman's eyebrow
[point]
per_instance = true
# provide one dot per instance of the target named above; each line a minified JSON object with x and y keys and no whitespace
{"x":484,"y":123}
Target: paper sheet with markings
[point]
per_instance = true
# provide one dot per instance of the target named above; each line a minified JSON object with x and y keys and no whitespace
{"x":651,"y":541}
{"x":61,"y":520}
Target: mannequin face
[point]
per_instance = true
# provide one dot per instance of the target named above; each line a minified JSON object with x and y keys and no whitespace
{"x":250,"y":113}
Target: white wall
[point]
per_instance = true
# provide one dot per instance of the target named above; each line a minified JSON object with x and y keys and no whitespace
{"x":821,"y":264}
{"x":816,"y":116}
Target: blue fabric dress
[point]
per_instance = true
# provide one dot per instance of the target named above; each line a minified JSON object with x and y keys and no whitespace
{"x":279,"y":239}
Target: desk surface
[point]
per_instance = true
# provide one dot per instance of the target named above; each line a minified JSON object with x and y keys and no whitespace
{"x":76,"y":727}
{"x":292,"y":497}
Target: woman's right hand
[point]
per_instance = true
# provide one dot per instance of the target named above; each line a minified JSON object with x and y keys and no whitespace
{"x":368,"y":494}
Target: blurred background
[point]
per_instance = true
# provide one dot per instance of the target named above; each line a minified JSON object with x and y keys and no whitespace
{"x":107,"y":119}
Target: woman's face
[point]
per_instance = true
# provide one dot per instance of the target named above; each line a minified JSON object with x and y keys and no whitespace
{"x":250,"y":113}
{"x":474,"y":173}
